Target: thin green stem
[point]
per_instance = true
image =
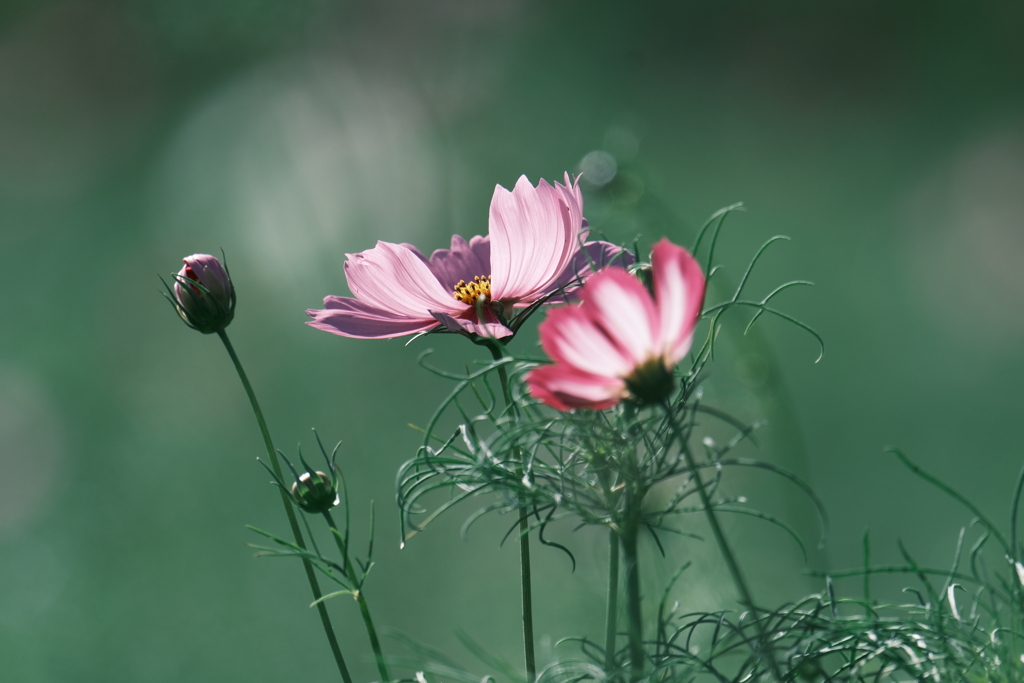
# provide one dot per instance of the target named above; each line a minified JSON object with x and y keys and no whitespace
{"x":634,"y":619}
{"x":867,"y":574}
{"x":364,"y":609}
{"x":524,"y":527}
{"x":723,"y":545}
{"x":314,"y":585}
{"x":611,"y":616}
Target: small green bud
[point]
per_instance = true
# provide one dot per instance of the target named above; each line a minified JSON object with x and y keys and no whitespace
{"x":315,"y":492}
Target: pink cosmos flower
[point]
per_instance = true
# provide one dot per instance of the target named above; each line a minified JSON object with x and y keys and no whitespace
{"x":532,"y":251}
{"x":619,"y":342}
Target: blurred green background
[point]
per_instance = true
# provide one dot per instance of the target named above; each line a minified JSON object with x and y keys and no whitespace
{"x":886,"y":138}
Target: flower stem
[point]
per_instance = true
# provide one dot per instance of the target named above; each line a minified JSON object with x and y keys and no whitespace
{"x":314,"y":585}
{"x":364,"y":609}
{"x":634,"y":621}
{"x":524,"y":528}
{"x":723,"y":545}
{"x":611,"y":616}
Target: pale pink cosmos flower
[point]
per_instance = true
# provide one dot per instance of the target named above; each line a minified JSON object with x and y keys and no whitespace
{"x":620,"y":342}
{"x":531,"y":252}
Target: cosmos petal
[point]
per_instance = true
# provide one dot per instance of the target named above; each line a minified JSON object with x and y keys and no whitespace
{"x":679,"y":291}
{"x":464,"y":261}
{"x":571,"y":338}
{"x":564,"y":388}
{"x":352,"y":318}
{"x":622,"y":307}
{"x":392,"y":277}
{"x":534,"y":234}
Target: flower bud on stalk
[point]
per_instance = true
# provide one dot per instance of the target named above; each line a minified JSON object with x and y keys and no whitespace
{"x":205,"y":299}
{"x":203,"y":294}
{"x":315,"y":492}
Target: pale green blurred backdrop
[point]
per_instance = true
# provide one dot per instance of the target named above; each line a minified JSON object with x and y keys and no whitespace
{"x":887,"y":139}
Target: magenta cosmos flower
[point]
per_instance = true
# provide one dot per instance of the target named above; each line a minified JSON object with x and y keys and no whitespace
{"x":531,"y":252}
{"x":620,"y":342}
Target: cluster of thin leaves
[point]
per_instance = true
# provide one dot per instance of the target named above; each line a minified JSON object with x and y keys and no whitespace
{"x":569,"y":465}
{"x":348,"y":571}
{"x":934,"y":636}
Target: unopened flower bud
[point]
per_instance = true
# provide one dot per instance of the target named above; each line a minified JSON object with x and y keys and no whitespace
{"x":315,"y":492}
{"x":203,"y":294}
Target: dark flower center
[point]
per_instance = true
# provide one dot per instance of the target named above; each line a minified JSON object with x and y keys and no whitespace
{"x":651,"y":382}
{"x":470,"y":292}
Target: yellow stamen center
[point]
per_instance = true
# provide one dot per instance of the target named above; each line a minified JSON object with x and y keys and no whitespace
{"x":470,"y":292}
